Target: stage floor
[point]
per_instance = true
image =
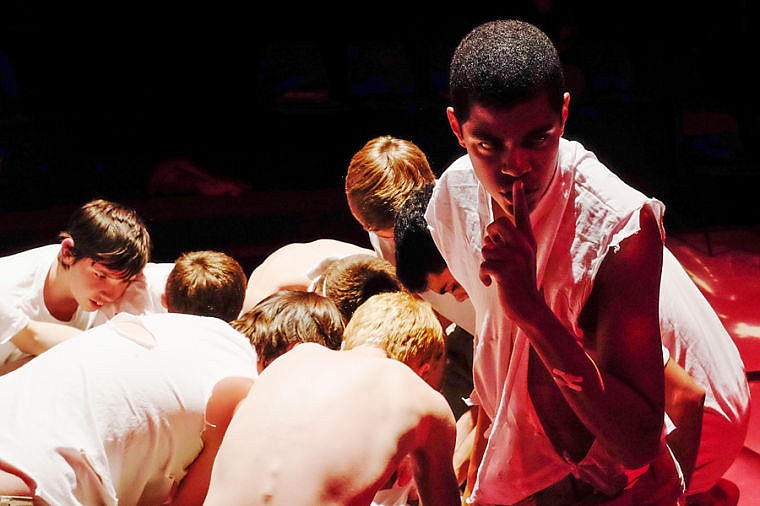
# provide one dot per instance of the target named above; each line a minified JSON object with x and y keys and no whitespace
{"x":725,"y":264}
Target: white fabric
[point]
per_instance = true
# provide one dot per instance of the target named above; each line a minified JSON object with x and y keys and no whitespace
{"x":587,"y":211}
{"x":699,"y":343}
{"x":103,"y":417}
{"x":461,"y":313}
{"x":22,"y":281}
{"x":14,"y":320}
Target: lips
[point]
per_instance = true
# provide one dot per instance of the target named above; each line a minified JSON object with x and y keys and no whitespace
{"x":527,"y":191}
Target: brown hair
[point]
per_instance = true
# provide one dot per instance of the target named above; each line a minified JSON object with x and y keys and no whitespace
{"x":381,"y":175}
{"x":352,"y":280}
{"x":111,"y":234}
{"x":206,"y":283}
{"x":289,"y":317}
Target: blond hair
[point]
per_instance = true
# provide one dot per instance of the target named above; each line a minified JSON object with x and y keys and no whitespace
{"x":404,"y":326}
{"x":380,"y":177}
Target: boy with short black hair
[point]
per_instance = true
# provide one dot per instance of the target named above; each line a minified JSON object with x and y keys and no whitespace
{"x":575,"y":295}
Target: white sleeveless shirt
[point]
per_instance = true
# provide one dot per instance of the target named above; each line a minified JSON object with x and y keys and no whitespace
{"x":587,"y":211}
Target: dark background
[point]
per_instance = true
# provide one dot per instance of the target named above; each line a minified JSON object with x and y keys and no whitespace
{"x":93,"y":97}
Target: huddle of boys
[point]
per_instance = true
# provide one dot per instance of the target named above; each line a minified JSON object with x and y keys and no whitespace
{"x":132,"y":407}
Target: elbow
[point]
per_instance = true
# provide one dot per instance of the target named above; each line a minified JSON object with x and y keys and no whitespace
{"x":646,"y":443}
{"x":27,"y":341}
{"x":640,"y":456}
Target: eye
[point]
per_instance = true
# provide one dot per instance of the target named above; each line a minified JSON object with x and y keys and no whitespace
{"x":486,"y":146}
{"x":538,"y":140}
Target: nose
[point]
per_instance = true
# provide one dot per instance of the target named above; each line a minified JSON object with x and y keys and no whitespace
{"x":459,"y":294}
{"x":514,"y":163}
{"x":457,"y":291}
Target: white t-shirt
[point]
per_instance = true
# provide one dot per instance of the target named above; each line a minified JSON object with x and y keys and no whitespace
{"x":116,"y":413}
{"x":22,"y":283}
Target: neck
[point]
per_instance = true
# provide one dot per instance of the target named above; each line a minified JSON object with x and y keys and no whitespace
{"x":370,"y":349}
{"x":57,"y":296}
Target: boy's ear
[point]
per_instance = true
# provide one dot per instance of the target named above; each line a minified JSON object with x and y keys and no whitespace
{"x":423,"y":369}
{"x":67,"y":251}
{"x":565,"y":109}
{"x":455,"y":126}
{"x":163,"y":300}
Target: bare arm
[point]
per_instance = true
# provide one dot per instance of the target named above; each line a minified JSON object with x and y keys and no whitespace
{"x":433,"y":458}
{"x":221,"y":406}
{"x":12,"y":365}
{"x":684,"y":404}
{"x":482,"y":425}
{"x":618,"y":394}
{"x":464,"y":444}
{"x":37,"y":336}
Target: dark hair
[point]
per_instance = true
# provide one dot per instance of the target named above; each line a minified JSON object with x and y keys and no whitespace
{"x":416,"y":253}
{"x":289,"y":317}
{"x":206,"y":283}
{"x":351,"y":280}
{"x":500,"y":63}
{"x":111,"y":234}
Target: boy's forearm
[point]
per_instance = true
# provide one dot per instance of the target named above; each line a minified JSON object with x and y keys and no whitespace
{"x":38,"y":337}
{"x":610,"y":408}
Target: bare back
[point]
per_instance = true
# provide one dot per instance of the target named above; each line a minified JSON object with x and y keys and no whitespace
{"x":324,"y":427}
{"x":288,"y":268}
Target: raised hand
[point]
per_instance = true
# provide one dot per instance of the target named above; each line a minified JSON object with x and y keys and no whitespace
{"x":509,"y":257}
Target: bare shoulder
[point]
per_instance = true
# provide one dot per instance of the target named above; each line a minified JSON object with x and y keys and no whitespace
{"x":325,"y":248}
{"x":284,"y":268}
{"x":301,"y":257}
{"x":225,"y":397}
{"x":637,"y":259}
{"x":427,"y":404}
